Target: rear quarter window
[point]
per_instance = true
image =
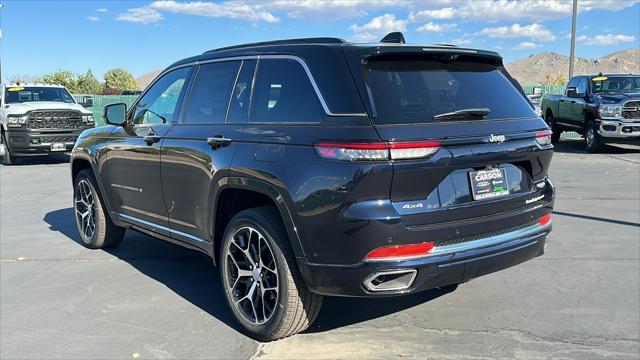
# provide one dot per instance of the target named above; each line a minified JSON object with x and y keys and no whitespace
{"x":283,"y":93}
{"x":411,"y":92}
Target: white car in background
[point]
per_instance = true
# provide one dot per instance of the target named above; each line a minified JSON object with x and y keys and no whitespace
{"x":37,"y":119}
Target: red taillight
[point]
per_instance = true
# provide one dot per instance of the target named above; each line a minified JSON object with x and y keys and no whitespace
{"x":398,"y":252}
{"x":545,"y":219}
{"x":377,"y":150}
{"x":544,"y":137}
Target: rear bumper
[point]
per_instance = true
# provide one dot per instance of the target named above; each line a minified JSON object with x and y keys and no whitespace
{"x":440,"y":269}
{"x":26,"y":142}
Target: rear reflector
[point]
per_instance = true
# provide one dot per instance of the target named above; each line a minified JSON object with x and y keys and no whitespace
{"x":543,"y":138}
{"x":400,"y":252}
{"x":545,"y":219}
{"x":377,"y":151}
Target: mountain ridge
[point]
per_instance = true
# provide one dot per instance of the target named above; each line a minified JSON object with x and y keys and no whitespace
{"x":547,"y":66}
{"x":540,"y":68}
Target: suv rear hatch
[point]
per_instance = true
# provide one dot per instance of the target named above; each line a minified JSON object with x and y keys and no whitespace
{"x":495,"y":145}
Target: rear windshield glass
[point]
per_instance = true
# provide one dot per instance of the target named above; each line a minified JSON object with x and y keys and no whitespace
{"x":411,"y":92}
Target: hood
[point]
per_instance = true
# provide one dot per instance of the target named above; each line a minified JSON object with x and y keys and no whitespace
{"x":616,"y":98}
{"x":21,"y":108}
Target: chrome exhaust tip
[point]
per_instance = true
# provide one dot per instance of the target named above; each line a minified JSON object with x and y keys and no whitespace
{"x":390,"y":280}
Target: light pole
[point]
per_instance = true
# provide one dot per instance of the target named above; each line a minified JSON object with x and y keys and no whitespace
{"x":1,"y":6}
{"x":573,"y":37}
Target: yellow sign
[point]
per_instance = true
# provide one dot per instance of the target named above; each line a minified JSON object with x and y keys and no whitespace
{"x":15,"y":89}
{"x":599,"y":78}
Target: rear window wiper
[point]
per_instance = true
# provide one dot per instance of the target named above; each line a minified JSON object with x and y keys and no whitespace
{"x":464,"y":114}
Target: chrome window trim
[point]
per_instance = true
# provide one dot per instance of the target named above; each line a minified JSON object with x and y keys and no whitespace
{"x":258,"y":57}
{"x":160,"y":227}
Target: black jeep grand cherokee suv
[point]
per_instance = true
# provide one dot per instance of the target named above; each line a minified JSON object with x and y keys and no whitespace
{"x":315,"y":167}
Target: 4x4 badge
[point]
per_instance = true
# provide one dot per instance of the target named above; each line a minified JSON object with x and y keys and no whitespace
{"x":496,"y":138}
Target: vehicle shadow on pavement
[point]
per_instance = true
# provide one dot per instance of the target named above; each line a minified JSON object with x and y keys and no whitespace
{"x":42,"y":160}
{"x":192,"y":275}
{"x":576,"y":146}
{"x":342,"y":311}
{"x":188,"y":273}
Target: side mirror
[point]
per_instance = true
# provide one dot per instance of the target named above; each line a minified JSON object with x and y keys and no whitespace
{"x":116,"y":114}
{"x":87,"y":101}
{"x":572,"y":92}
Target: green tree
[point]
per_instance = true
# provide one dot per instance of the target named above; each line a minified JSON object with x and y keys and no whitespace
{"x":62,"y":77}
{"x":120,"y":79}
{"x":88,"y":84}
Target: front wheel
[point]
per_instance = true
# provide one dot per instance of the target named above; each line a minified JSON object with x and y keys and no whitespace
{"x":262,"y":284}
{"x":592,"y":140}
{"x":7,"y":157}
{"x":95,"y":228}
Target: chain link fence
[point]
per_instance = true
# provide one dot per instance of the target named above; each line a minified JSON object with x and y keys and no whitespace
{"x":100,"y":101}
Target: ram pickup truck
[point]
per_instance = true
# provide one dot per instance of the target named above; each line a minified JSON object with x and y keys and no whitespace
{"x":37,"y":119}
{"x":602,"y":108}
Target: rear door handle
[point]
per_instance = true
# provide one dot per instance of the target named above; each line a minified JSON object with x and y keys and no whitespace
{"x":218,"y":141}
{"x":561,"y":100}
{"x":151,"y":139}
{"x":573,"y":101}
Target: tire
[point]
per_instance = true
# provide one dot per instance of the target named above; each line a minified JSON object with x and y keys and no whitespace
{"x":7,"y":158}
{"x":283,"y":304}
{"x":592,"y":140}
{"x":556,"y":132}
{"x":95,"y":228}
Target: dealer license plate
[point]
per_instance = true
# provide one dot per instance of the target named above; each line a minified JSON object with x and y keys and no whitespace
{"x":58,"y":147}
{"x":488,"y":184}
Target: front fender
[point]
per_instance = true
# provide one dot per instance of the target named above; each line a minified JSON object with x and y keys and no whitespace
{"x":94,"y":155}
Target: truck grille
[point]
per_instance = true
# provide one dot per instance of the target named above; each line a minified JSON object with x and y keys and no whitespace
{"x":54,"y":119}
{"x":631,"y":110}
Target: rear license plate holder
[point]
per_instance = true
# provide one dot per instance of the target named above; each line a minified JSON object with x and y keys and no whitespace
{"x":488,"y":184}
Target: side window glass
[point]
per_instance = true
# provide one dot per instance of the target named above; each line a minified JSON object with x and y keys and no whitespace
{"x":582,"y":86}
{"x":159,"y":103}
{"x":239,"y":105}
{"x":209,"y":97}
{"x":573,"y":82}
{"x":283,"y":93}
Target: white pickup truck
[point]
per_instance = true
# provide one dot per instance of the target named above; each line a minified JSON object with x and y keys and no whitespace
{"x":38,"y":119}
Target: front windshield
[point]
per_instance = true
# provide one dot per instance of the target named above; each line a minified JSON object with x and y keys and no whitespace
{"x":20,"y":94}
{"x":619,"y":84}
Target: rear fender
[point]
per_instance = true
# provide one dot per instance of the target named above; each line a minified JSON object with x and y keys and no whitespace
{"x":263,"y":187}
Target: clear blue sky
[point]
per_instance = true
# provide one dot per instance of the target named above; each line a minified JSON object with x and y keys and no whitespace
{"x":42,"y":36}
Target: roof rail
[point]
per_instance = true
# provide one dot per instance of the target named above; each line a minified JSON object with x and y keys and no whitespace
{"x":318,"y":40}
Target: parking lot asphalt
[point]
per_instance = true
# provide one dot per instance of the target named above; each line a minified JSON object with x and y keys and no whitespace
{"x":150,"y":299}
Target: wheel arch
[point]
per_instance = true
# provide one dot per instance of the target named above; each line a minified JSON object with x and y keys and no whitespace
{"x":239,"y":193}
{"x":81,"y":161}
{"x":548,"y":112}
{"x":587,"y":116}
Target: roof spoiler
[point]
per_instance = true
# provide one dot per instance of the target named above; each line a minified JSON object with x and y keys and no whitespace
{"x":394,"y":38}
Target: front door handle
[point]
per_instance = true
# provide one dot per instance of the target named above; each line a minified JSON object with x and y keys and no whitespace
{"x":151,"y":139}
{"x":573,"y":101}
{"x":561,"y":100}
{"x":218,"y":141}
